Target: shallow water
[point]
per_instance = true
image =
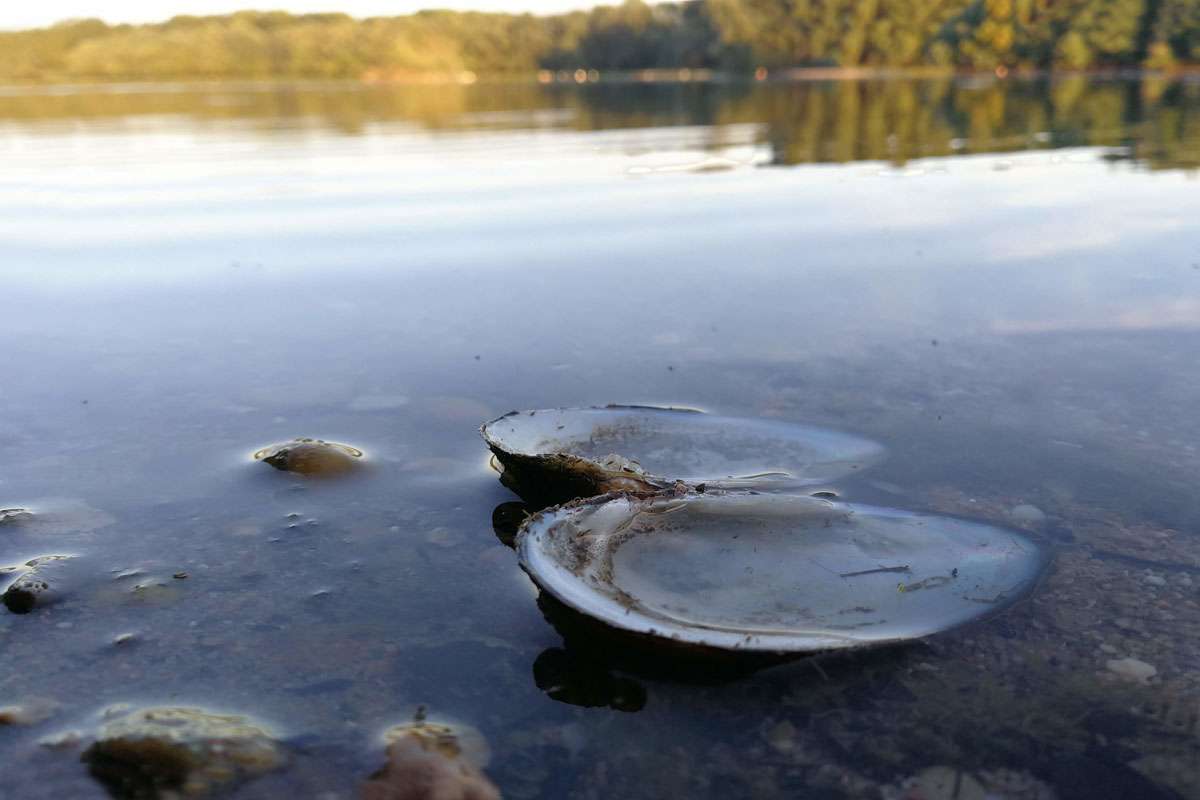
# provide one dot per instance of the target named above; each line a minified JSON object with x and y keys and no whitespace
{"x":1000,"y":282}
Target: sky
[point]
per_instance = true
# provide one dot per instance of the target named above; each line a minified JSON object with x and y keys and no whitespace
{"x":15,"y":14}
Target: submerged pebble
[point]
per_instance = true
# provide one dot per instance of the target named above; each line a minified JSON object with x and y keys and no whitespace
{"x":13,"y":516}
{"x":28,"y":713}
{"x":56,"y":515}
{"x":166,"y":752}
{"x":313,"y":457}
{"x":430,"y":760}
{"x":154,"y":592}
{"x":1131,"y":669}
{"x":41,"y":584}
{"x":450,"y":739}
{"x":413,"y":772}
{"x":945,"y":783}
{"x":1026,"y":514}
{"x":62,"y":740}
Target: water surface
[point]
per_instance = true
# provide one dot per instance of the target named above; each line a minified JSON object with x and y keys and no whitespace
{"x":998,"y":281}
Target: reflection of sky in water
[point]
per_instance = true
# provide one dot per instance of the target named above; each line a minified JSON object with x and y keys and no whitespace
{"x":1025,"y":332}
{"x":171,"y":203}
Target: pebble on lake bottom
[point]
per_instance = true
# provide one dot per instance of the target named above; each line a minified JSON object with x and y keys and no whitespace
{"x":27,"y":713}
{"x":1131,"y":669}
{"x":431,"y":760}
{"x":13,"y":516}
{"x":164,"y":752}
{"x":944,"y":783}
{"x":56,"y":516}
{"x":40,"y":585}
{"x":1026,"y":514}
{"x":949,"y":783}
{"x":312,"y":457}
{"x":415,"y":770}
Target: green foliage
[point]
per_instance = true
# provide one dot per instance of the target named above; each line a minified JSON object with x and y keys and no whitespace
{"x":721,"y":34}
{"x":1175,"y":29}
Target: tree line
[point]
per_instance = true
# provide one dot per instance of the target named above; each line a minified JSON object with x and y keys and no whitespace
{"x":728,"y":35}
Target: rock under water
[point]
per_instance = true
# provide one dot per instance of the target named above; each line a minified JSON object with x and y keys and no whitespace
{"x":167,"y":752}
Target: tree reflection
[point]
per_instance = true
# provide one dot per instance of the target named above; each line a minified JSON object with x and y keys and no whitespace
{"x":1155,"y":120}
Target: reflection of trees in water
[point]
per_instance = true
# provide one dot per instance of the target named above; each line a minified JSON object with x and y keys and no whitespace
{"x":899,"y":120}
{"x":346,"y":108}
{"x":896,"y":120}
{"x":647,"y":105}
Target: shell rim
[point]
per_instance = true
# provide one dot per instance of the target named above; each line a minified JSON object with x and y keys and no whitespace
{"x":796,"y":643}
{"x":727,"y":483}
{"x":493,"y":442}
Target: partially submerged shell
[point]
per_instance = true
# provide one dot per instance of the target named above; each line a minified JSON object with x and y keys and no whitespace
{"x":314,"y":457}
{"x":772,"y":573}
{"x":559,"y":454}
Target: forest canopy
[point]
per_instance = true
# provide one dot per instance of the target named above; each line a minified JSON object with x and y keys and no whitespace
{"x":732,"y":35}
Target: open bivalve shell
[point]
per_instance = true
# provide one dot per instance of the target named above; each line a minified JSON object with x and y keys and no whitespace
{"x":560,"y":454}
{"x":774,"y":573}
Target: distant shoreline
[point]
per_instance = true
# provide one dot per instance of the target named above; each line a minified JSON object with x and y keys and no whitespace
{"x":693,"y":40}
{"x":612,"y":77}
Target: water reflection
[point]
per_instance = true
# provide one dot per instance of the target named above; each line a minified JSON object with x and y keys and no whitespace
{"x":1154,"y":121}
{"x":507,"y":519}
{"x":578,"y":680}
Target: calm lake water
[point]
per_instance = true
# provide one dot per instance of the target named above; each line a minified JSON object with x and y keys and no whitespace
{"x":999,"y":281}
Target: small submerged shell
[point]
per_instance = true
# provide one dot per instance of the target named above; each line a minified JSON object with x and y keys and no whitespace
{"x":314,"y":457}
{"x":580,"y":452}
{"x":772,"y":573}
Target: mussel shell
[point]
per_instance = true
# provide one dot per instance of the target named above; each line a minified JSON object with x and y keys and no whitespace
{"x":772,"y":573}
{"x":567,"y":453}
